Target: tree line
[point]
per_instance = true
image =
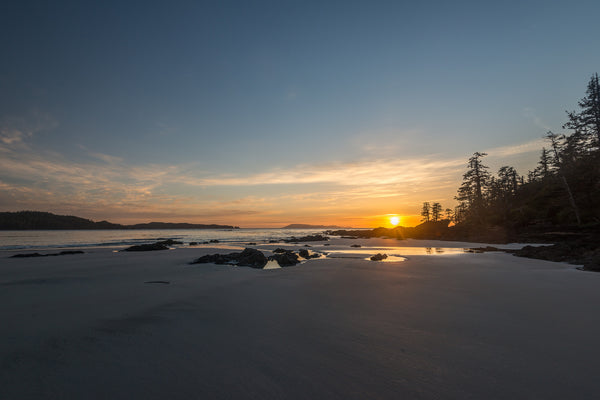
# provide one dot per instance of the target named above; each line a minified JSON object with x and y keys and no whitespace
{"x":563,"y":189}
{"x":433,"y":212}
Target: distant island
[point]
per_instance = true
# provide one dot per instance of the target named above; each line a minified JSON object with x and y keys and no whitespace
{"x":308,"y":226}
{"x":37,"y":220}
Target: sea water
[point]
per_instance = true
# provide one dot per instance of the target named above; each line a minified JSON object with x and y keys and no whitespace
{"x":52,"y":239}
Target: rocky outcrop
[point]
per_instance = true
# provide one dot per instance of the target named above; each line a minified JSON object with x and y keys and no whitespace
{"x":147,"y":247}
{"x":307,"y":254}
{"x":170,"y":242}
{"x":379,"y":257}
{"x":308,"y":238}
{"x":62,"y":253}
{"x":255,"y":259}
{"x":247,"y":258}
{"x":285,"y":258}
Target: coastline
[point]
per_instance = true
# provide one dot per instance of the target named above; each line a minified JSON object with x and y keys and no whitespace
{"x":124,"y":325}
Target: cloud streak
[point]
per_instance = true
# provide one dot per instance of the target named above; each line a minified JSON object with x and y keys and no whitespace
{"x":107,"y":187}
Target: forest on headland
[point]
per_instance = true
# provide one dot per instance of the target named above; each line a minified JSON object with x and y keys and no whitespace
{"x":558,"y":202}
{"x":37,"y":220}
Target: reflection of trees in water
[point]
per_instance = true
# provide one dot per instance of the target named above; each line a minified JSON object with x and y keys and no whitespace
{"x":439,"y":250}
{"x":428,"y":250}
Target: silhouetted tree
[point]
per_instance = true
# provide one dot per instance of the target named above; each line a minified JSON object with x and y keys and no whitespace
{"x":460,"y":213}
{"x":507,"y":180}
{"x":586,"y":123}
{"x":436,"y":212}
{"x":564,"y":188}
{"x":556,"y":148}
{"x":475,"y":182}
{"x":426,"y":212}
{"x":544,"y":164}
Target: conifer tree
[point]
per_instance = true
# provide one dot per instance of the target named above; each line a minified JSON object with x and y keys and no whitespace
{"x":556,"y":148}
{"x":586,"y":123}
{"x":426,"y":212}
{"x":436,"y":212}
{"x":475,"y":183}
{"x":544,"y":164}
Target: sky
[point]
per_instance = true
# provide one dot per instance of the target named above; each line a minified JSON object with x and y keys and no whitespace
{"x":266,"y":113}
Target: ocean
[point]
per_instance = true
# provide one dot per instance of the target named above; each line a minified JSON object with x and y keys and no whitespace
{"x":52,"y":239}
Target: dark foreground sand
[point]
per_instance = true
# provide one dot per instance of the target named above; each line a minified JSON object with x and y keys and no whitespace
{"x":468,"y":326}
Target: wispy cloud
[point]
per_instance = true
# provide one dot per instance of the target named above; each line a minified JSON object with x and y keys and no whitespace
{"x":106,"y":186}
{"x":522,"y":148}
{"x":32,"y":179}
{"x":363,"y":173}
{"x":15,"y":130}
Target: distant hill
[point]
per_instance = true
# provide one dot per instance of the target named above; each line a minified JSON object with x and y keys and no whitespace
{"x":307,"y":226}
{"x":32,"y":220}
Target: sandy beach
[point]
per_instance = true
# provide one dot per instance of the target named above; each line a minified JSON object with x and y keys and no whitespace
{"x":440,"y":326}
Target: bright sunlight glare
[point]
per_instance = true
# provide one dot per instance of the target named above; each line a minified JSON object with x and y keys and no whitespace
{"x":395,"y":220}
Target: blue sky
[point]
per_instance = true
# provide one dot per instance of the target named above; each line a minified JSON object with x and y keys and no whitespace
{"x":268,"y":113}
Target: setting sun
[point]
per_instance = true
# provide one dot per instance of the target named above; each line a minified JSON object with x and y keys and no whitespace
{"x":394,"y":220}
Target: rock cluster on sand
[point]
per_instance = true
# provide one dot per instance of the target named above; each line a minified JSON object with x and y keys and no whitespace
{"x":308,"y":238}
{"x":170,"y":242}
{"x":247,"y":258}
{"x":379,"y":257}
{"x":162,"y":245}
{"x":256,"y":259}
{"x":582,"y":251}
{"x":285,"y":258}
{"x":147,"y":247}
{"x":307,"y":255}
{"x":62,"y":253}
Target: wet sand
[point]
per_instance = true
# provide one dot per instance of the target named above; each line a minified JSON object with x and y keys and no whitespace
{"x":445,"y":326}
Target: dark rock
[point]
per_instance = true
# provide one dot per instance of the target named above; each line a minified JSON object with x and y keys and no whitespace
{"x":252,"y":258}
{"x":251,"y":244}
{"x":285,"y":259}
{"x":592,"y":267}
{"x":309,"y":238}
{"x":355,"y":245}
{"x":280,"y":250}
{"x":62,"y":253}
{"x":213,"y":241}
{"x":27,"y":255}
{"x":483,"y":249}
{"x":327,"y":244}
{"x":273,"y":241}
{"x":147,"y":247}
{"x":212,"y":258}
{"x":379,"y":257}
{"x":169,"y":242}
{"x":193,"y":243}
{"x":307,"y":245}
{"x":247,"y":258}
{"x":306,"y":254}
{"x":67,"y":252}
